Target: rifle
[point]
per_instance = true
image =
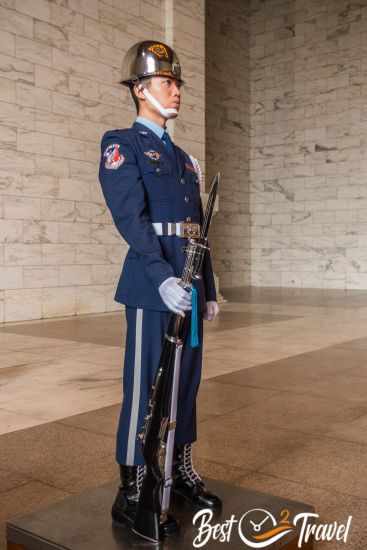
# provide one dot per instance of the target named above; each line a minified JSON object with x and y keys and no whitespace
{"x":152,"y":520}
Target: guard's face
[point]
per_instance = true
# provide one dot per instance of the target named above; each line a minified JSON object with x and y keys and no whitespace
{"x":167,"y":90}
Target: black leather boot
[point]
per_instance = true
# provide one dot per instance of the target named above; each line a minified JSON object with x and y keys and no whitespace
{"x":187,"y":482}
{"x":124,"y":507}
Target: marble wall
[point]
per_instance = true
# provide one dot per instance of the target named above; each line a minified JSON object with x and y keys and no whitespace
{"x":308,"y":156}
{"x":282,"y":84}
{"x":60,"y":253}
{"x":186,"y":34}
{"x":227,"y":136}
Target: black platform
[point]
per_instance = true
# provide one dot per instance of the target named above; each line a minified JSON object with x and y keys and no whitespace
{"x":83,"y":522}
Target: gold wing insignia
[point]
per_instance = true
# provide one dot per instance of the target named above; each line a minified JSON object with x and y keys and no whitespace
{"x":159,"y":50}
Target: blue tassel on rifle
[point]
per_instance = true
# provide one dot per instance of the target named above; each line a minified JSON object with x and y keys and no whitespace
{"x":194,"y":342}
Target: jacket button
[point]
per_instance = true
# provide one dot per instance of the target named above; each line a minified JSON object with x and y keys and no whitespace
{"x":187,"y":198}
{"x":183,"y":180}
{"x":157,"y":169}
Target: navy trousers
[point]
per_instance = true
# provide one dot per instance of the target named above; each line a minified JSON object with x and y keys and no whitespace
{"x":144,"y":339}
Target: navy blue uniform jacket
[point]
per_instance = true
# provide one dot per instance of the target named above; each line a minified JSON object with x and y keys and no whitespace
{"x":147,"y":187}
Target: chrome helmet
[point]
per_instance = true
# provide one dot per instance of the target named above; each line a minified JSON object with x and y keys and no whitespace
{"x":149,"y":58}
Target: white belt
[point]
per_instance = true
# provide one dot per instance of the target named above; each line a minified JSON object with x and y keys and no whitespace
{"x":181,"y":229}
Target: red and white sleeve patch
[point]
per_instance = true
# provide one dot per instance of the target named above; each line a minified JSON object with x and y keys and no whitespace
{"x":113,"y":158}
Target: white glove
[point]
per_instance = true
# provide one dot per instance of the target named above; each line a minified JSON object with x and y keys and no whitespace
{"x":212,"y":310}
{"x":174,"y":296}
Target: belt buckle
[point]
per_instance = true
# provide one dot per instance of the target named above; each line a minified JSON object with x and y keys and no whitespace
{"x":191,"y":230}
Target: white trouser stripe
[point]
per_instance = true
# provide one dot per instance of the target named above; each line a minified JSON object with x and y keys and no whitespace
{"x":130,"y":453}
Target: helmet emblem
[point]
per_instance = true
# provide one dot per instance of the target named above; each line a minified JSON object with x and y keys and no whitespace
{"x":159,"y":50}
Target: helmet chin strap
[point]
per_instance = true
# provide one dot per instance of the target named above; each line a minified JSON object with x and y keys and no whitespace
{"x":166,"y":113}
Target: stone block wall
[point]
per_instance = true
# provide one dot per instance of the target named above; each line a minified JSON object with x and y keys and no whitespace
{"x":274,"y":99}
{"x":227,"y":136}
{"x":60,"y":253}
{"x":187,"y":35}
{"x":308,"y":156}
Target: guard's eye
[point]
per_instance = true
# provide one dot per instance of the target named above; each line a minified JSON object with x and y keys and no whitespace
{"x":167,"y":83}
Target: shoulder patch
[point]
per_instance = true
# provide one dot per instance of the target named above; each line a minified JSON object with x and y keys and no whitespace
{"x":113,"y":158}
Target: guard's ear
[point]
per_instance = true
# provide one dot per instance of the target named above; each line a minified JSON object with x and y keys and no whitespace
{"x":138,"y":88}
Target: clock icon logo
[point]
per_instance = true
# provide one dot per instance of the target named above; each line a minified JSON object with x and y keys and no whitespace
{"x":258,"y":528}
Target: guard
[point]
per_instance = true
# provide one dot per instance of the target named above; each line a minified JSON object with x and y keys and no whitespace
{"x":152,"y":188}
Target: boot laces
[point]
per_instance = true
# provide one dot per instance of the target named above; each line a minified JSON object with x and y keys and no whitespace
{"x":188,"y":467}
{"x":140,"y":473}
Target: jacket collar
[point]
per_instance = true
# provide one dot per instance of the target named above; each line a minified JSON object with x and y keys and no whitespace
{"x":158,"y":130}
{"x":147,"y":133}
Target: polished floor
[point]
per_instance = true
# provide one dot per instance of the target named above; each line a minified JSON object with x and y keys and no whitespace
{"x":282,"y":405}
